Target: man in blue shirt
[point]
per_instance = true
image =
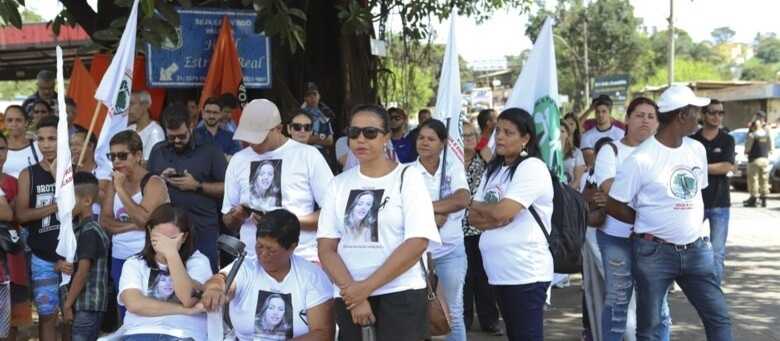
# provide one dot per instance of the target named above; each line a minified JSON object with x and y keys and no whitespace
{"x":210,"y":132}
{"x":403,"y":142}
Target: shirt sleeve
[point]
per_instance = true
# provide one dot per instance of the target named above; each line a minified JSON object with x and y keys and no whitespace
{"x":530,"y":181}
{"x":199,"y":268}
{"x":88,"y":246}
{"x":342,"y":147}
{"x":702,"y":153}
{"x":728,"y":149}
{"x":458,"y":178}
{"x":628,"y":180}
{"x":327,"y":225}
{"x":320,"y":175}
{"x":154,"y":162}
{"x":232,"y":195}
{"x":132,"y":277}
{"x":418,"y":208}
{"x":585,"y":142}
{"x":579,"y":158}
{"x":606,"y":165}
{"x":320,"y":288}
{"x":157,"y":135}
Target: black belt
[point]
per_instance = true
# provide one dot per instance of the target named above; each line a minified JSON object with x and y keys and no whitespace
{"x":677,"y":247}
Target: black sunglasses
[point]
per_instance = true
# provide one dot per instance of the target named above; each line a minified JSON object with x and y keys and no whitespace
{"x":121,"y":156}
{"x":301,"y":126}
{"x":368,"y":132}
{"x":716,"y":112}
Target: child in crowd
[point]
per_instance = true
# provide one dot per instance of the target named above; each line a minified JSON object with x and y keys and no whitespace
{"x":87,"y":296}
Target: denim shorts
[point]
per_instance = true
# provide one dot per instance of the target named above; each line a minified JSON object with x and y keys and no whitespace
{"x":45,"y":282}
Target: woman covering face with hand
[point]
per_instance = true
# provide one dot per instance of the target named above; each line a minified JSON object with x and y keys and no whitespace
{"x":169,"y":259}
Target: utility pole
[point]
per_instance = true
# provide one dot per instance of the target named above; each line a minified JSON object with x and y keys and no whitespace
{"x":587,"y":62}
{"x":671,"y":42}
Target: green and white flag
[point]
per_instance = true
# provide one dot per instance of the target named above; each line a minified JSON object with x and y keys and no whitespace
{"x":536,"y":91}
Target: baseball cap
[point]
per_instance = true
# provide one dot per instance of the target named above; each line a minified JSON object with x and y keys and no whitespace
{"x":678,"y":96}
{"x":257,"y":119}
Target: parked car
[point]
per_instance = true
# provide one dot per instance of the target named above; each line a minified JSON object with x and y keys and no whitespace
{"x":739,"y":176}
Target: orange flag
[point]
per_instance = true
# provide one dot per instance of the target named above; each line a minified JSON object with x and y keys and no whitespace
{"x":224,"y":70}
{"x":82,"y":89}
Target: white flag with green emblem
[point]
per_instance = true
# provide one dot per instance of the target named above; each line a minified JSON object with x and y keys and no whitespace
{"x":114,"y":92}
{"x":536,"y":91}
{"x":448,"y":99}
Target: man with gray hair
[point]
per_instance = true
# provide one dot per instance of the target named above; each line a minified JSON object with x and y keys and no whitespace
{"x":45,"y":84}
{"x":138,"y":119}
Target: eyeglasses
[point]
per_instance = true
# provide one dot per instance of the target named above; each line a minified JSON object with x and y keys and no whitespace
{"x":468,"y":136}
{"x":120,"y":155}
{"x":368,"y":132}
{"x":301,"y":126}
{"x":716,"y":112}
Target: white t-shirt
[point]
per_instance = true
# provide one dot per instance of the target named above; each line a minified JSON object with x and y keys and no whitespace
{"x":452,"y":231}
{"x":136,"y":274}
{"x":126,"y":244}
{"x":265,"y":309}
{"x":150,"y":136}
{"x":371,"y":217}
{"x":593,"y":135}
{"x":573,"y":162}
{"x":255,"y":180}
{"x":665,"y":184}
{"x":19,"y":159}
{"x":342,"y":147}
{"x":606,"y":165}
{"x":518,"y":253}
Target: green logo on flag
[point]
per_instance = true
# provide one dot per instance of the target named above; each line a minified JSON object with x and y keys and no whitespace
{"x":123,"y":97}
{"x":547,"y":119}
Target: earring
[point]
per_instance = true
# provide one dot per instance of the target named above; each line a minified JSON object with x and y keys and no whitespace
{"x":523,"y":153}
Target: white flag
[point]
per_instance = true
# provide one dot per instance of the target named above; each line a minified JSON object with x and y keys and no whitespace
{"x":448,"y":99}
{"x":114,"y":91}
{"x":64,"y":193}
{"x":536,"y":91}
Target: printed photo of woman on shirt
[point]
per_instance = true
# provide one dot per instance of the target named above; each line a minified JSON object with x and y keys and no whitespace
{"x":265,"y":181}
{"x":273,"y":320}
{"x":360,"y":219}
{"x":161,"y":286}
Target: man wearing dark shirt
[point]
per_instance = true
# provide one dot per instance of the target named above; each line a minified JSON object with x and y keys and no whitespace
{"x":195,"y":174}
{"x":717,"y":199}
{"x":211,"y":132}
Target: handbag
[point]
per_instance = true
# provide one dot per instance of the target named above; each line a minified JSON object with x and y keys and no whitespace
{"x":10,"y":242}
{"x":438,"y":310}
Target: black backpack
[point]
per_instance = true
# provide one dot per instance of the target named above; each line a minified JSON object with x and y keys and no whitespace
{"x":569,"y":223}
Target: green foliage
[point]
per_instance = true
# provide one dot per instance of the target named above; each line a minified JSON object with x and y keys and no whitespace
{"x":16,"y":89}
{"x":722,"y":35}
{"x":9,"y":13}
{"x":686,"y":70}
{"x":768,"y":48}
{"x":756,"y":69}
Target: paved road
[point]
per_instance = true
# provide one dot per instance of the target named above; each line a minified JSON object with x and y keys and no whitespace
{"x":752,"y":285}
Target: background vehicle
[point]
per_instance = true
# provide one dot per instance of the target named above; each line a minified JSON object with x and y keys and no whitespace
{"x":739,"y":176}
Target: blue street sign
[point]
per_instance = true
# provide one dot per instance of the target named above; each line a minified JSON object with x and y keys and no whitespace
{"x":185,"y":64}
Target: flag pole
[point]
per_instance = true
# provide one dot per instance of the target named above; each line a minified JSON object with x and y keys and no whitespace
{"x":444,"y":162}
{"x":89,"y":132}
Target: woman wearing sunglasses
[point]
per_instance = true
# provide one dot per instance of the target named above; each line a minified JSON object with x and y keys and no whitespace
{"x":134,"y":194}
{"x":280,"y":296}
{"x":379,"y":281}
{"x":299,"y":127}
{"x":159,"y":285}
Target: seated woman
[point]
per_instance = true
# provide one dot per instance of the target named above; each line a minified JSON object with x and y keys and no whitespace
{"x":158,"y":286}
{"x":279,"y":297}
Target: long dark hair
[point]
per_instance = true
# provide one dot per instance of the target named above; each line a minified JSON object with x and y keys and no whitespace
{"x":524,"y":123}
{"x":163,"y":214}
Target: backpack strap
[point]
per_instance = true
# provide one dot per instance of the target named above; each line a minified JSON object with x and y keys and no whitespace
{"x":403,"y":171}
{"x":614,"y":147}
{"x":539,"y":222}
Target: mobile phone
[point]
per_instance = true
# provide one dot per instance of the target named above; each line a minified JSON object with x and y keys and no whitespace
{"x":176,"y":175}
{"x":252,"y":210}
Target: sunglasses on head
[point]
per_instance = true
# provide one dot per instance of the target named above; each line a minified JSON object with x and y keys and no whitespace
{"x":121,"y":156}
{"x":301,"y":126}
{"x":368,"y":132}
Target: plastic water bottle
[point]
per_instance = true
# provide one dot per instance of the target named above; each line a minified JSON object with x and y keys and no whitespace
{"x":368,"y":333}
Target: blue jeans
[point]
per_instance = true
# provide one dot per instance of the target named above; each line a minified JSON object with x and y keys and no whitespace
{"x":522,"y":307}
{"x":451,"y":269}
{"x":86,"y":325}
{"x":719,"y":231}
{"x":116,"y":273}
{"x":153,"y":337}
{"x":657,"y":265}
{"x":619,"y":285}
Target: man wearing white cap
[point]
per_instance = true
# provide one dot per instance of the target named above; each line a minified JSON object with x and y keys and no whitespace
{"x":663,"y":179}
{"x":273,"y":172}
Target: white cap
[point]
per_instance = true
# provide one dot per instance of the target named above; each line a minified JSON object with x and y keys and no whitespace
{"x":257,"y":119}
{"x":678,"y":96}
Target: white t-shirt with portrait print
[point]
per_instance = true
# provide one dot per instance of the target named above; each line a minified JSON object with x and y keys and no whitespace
{"x":518,"y":253}
{"x":452,"y":231}
{"x":261,"y":301}
{"x":155,"y":284}
{"x":299,"y":187}
{"x":372,"y":217}
{"x":664,"y":184}
{"x":606,"y":166}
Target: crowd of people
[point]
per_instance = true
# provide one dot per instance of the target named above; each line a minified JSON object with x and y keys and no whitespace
{"x":341,"y":232}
